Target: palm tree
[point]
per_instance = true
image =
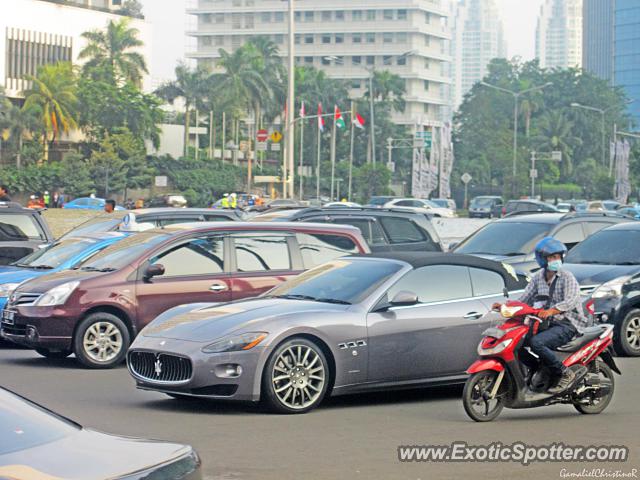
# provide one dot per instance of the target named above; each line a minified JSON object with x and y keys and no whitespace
{"x":17,"y":122}
{"x":53,"y":94}
{"x":388,"y":87}
{"x":528,"y":107}
{"x":267,"y":61}
{"x":555,"y":132}
{"x":111,"y":49}
{"x":191,"y":86}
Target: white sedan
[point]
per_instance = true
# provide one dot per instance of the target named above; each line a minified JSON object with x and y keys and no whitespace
{"x":421,"y":206}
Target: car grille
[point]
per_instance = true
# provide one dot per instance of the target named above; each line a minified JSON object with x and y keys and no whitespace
{"x":23,"y":299}
{"x":18,"y":330}
{"x":160,"y":367}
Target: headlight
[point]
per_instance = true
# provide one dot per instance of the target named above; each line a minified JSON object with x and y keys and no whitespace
{"x":57,"y":295}
{"x":494,"y":350}
{"x":233,"y":343}
{"x":612,"y":288}
{"x":7,"y":288}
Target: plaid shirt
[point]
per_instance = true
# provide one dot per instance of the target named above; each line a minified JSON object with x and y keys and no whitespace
{"x":566,"y":297}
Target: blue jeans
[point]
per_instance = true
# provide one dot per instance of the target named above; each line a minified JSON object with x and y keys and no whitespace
{"x":544,"y":343}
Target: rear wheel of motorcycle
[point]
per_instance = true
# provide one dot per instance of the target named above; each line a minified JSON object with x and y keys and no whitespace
{"x":598,"y":405}
{"x":475,"y":396}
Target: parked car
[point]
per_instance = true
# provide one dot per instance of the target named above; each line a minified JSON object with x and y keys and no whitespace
{"x":607,"y":265}
{"x":611,"y":205}
{"x":564,"y":207}
{"x":152,"y":217}
{"x":518,"y":207}
{"x":379,"y":201}
{"x":169,"y":200}
{"x":633,"y":212}
{"x":445,"y":203}
{"x":512,"y":239}
{"x":94,"y":311}
{"x":88,"y":203}
{"x":350,"y":325}
{"x":341,"y":205}
{"x":595,"y":206}
{"x":419,"y":205}
{"x":22,"y":230}
{"x":60,"y":255}
{"x":384,"y":229}
{"x":38,"y":444}
{"x":486,"y":206}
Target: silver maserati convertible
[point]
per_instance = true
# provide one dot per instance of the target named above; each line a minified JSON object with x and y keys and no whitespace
{"x":354,"y":324}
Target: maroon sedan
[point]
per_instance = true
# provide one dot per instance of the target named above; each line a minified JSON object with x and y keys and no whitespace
{"x":96,"y":310}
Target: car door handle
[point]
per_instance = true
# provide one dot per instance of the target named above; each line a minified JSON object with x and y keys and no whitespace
{"x":473,"y":315}
{"x":218,"y":288}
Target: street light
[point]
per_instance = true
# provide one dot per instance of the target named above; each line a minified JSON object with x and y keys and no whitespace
{"x":516,"y":96}
{"x":288,"y":163}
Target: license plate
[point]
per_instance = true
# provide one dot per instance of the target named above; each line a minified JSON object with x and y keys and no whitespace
{"x":8,"y":317}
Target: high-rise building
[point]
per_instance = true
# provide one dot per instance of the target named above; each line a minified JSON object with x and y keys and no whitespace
{"x":597,"y":37}
{"x":559,"y":34}
{"x":37,"y":32}
{"x":627,"y":52}
{"x":477,"y":37}
{"x":346,"y":39}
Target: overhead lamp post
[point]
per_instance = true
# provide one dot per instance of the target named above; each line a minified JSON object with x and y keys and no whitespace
{"x":516,"y":97}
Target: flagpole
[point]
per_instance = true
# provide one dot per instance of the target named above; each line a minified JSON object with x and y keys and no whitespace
{"x":318,"y":165}
{"x":351,"y":149}
{"x":333,"y":152}
{"x":301,"y":151}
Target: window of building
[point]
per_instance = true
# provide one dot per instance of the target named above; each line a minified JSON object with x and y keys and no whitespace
{"x":266,"y":17}
{"x":235,"y":20}
{"x":387,"y":60}
{"x":427,"y":17}
{"x":402,"y":14}
{"x":355,"y":84}
{"x":340,"y":15}
{"x":371,"y":37}
{"x":371,"y":60}
{"x":357,"y":60}
{"x":387,"y":14}
{"x":206,"y":41}
{"x":356,"y":37}
{"x":401,"y":37}
{"x":278,"y":17}
{"x":402,"y":60}
{"x":427,"y":40}
{"x":297,"y":16}
{"x":309,"y":16}
{"x":308,"y":39}
{"x":219,"y":40}
{"x":279,"y":39}
{"x":387,"y":37}
{"x":326,"y":38}
{"x":426,"y":108}
{"x":308,"y":60}
{"x":326,"y":16}
{"x":219,"y":17}
{"x":356,"y":15}
{"x":339,"y":37}
{"x":206,"y":18}
{"x":426,"y":85}
{"x":371,"y":15}
{"x":297,"y":39}
{"x":427,"y":64}
{"x":326,"y":61}
{"x":249,"y":20}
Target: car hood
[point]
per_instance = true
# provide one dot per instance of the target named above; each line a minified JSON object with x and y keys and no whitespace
{"x":598,"y":274}
{"x":204,"y":323}
{"x":47,"y":281}
{"x":90,"y":455}
{"x":18,"y":275}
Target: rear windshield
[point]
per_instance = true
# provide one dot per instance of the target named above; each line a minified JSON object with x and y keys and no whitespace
{"x":482,"y":202}
{"x":608,"y":247}
{"x":57,"y":254}
{"x":506,"y":238}
{"x":19,"y":227}
{"x":25,"y":425}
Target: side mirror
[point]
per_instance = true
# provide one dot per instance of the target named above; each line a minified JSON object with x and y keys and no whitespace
{"x":404,"y":298}
{"x":154,"y":270}
{"x":453,"y":245}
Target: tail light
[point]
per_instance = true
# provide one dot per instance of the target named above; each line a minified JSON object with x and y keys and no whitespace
{"x":590,"y":306}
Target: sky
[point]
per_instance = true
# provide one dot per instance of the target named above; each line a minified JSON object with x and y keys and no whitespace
{"x":170,"y":22}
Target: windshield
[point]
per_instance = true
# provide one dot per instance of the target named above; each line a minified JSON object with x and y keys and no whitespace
{"x":56,"y":254}
{"x":482,"y":202}
{"x":97,"y":226}
{"x":124,"y":252}
{"x":25,"y":425}
{"x":506,"y":238}
{"x":379,"y":200}
{"x":608,"y":247}
{"x":19,"y":227}
{"x":440,"y":203}
{"x":343,"y":281}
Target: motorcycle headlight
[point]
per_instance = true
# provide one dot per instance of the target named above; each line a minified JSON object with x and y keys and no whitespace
{"x":612,"y":288}
{"x":494,"y":350}
{"x":57,"y":295}
{"x":7,"y":288}
{"x":234,"y":343}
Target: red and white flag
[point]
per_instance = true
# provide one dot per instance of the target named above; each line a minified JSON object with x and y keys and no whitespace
{"x":320,"y":118}
{"x":358,"y":121}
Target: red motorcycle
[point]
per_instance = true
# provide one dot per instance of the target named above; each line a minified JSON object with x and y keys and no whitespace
{"x":499,"y":379}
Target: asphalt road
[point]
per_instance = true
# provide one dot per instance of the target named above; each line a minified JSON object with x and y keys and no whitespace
{"x":346,"y":438}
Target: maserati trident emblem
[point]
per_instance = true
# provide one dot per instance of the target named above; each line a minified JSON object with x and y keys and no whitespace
{"x":158,"y":367}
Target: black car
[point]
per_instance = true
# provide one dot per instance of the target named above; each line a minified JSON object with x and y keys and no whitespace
{"x":384,"y":229}
{"x":519,"y":207}
{"x":487,"y":206}
{"x":607,"y":265}
{"x":22,"y":231}
{"x":156,"y":217}
{"x":36,"y":443}
{"x":512,"y":239}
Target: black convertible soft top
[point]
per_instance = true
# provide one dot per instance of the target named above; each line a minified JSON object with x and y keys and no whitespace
{"x":513,"y":280}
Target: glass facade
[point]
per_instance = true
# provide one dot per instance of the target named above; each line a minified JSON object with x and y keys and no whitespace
{"x":627,"y":52}
{"x":597,"y":38}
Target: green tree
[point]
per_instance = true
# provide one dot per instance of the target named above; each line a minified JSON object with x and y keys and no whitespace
{"x":554,"y":132}
{"x":17,"y":123}
{"x":112,"y":53}
{"x":53,"y":94}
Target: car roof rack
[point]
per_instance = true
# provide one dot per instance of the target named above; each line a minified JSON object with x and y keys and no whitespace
{"x":524,"y":212}
{"x":594,"y":214}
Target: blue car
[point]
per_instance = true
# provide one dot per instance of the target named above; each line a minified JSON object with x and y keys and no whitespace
{"x":633,"y":212}
{"x":60,"y":255}
{"x":88,"y":203}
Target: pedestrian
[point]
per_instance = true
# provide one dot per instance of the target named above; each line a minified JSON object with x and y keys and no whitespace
{"x":56,"y":200}
{"x":224,"y":203}
{"x":46,"y":198}
{"x":61,"y":200}
{"x":109,"y":206}
{"x":140,"y":203}
{"x":234,"y":201}
{"x":4,"y":194}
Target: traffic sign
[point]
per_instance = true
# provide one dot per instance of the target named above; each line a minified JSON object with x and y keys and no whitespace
{"x":261,"y":146}
{"x":276,"y":136}
{"x":533,"y":173}
{"x":424,"y":138}
{"x":275,"y":147}
{"x":466,"y":178}
{"x":161,"y":181}
{"x":262,"y":135}
{"x":556,"y":156}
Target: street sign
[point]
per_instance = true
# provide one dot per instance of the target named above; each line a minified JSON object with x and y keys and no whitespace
{"x":261,"y":146}
{"x":276,"y":136}
{"x":275,"y":147}
{"x":161,"y":181}
{"x":391,"y":166}
{"x":266,"y":179}
{"x":424,"y":138}
{"x":262,"y":135}
{"x":244,"y":145}
{"x":466,"y":178}
{"x":533,"y":173}
{"x":556,"y":156}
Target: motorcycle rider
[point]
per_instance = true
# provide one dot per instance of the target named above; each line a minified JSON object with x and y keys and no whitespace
{"x":558,"y":293}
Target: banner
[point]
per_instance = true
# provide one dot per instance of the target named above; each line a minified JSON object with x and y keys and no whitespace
{"x":622,"y":188}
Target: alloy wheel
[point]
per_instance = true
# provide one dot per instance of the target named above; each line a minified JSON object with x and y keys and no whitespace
{"x":633,"y":333}
{"x":102,"y":341}
{"x":298,"y":377}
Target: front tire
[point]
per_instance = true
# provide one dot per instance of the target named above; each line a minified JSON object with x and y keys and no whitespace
{"x":101,"y":341}
{"x":626,"y":338}
{"x":60,"y":354}
{"x":475,"y":397}
{"x":296,"y":377}
{"x":598,"y":405}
